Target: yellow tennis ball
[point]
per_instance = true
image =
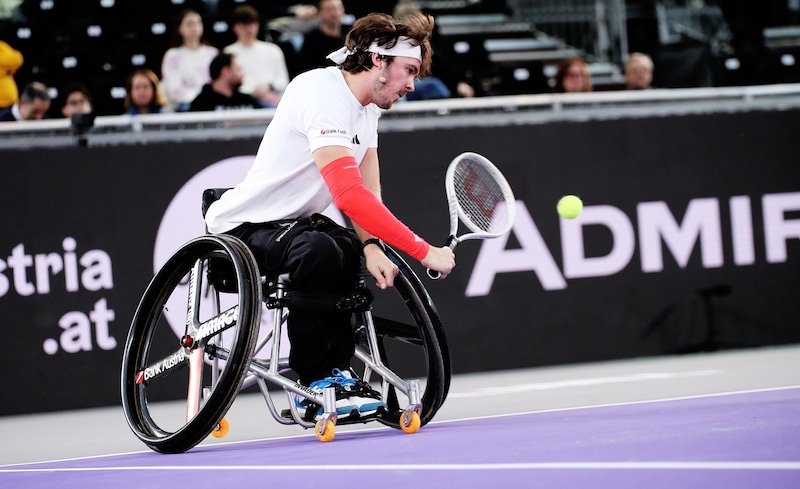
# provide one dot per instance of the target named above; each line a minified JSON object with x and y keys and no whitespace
{"x":569,"y":207}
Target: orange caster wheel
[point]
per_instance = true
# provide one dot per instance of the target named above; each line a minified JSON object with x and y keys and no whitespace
{"x":222,"y":428}
{"x":326,"y":432}
{"x":410,"y":424}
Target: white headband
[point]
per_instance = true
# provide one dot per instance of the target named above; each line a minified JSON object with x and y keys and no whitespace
{"x":405,"y":47}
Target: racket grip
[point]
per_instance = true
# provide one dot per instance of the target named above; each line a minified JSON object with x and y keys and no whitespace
{"x":452,"y":242}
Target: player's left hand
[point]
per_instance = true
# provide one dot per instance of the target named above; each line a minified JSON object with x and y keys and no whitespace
{"x":380,"y":267}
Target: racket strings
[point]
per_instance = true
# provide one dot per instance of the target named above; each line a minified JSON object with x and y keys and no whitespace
{"x":481,"y":199}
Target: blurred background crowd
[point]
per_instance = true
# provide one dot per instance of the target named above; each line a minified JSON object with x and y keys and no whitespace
{"x":109,"y":57}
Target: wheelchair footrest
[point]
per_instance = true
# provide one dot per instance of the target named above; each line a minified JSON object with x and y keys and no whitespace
{"x":342,"y":419}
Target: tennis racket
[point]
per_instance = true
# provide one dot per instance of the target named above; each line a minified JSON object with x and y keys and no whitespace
{"x":479,"y":196}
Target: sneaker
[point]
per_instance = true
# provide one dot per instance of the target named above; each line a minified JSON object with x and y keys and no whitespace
{"x":361,"y":394}
{"x":354,"y":397}
{"x":311,"y":411}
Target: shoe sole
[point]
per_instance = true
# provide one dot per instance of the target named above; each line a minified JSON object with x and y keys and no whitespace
{"x":344,"y":415}
{"x":341,"y":412}
{"x":371,"y":409}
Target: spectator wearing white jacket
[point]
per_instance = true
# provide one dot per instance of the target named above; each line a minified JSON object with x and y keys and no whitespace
{"x":263,"y":63}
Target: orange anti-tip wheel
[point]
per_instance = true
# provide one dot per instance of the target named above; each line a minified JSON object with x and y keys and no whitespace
{"x":413,"y":424}
{"x":326,"y":433}
{"x":222,"y":428}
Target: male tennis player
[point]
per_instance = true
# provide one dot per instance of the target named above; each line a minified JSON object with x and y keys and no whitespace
{"x":321,"y":147}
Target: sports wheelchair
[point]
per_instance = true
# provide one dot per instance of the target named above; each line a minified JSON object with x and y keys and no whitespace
{"x":181,"y":371}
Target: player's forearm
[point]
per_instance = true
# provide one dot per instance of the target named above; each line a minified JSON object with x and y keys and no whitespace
{"x":352,"y":197}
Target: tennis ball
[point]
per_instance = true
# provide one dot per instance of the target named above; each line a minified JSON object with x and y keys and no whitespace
{"x":569,"y":207}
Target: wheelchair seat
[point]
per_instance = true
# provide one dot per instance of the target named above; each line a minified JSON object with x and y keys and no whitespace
{"x":220,"y":272}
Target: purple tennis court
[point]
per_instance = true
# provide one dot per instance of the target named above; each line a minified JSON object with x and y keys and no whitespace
{"x":734,"y":440}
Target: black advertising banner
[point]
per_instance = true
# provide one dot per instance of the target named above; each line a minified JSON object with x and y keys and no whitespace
{"x":689,"y":222}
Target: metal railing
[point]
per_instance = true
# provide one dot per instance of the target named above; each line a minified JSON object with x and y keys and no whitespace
{"x":409,"y":116}
{"x":596,"y":27}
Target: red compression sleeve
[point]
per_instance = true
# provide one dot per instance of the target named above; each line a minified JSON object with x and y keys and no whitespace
{"x":351,"y":196}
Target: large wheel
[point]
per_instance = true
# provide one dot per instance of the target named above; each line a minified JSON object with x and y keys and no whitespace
{"x":411,"y":342}
{"x":177,"y":330}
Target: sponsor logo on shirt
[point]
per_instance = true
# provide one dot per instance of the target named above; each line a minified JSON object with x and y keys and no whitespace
{"x":332,"y":131}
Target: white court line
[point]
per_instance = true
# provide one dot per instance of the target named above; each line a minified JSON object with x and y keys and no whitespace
{"x":8,"y":468}
{"x":442,"y":467}
{"x":619,"y":404}
{"x":539,"y":386}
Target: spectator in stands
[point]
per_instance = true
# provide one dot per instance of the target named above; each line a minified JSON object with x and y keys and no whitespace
{"x":573,"y":76}
{"x":10,"y":61}
{"x":639,"y":72}
{"x":184,"y":68}
{"x":76,"y":100}
{"x":262,"y":63}
{"x":33,"y":104}
{"x":446,"y":81}
{"x":223,"y":92}
{"x":143,"y":93}
{"x":326,"y":38}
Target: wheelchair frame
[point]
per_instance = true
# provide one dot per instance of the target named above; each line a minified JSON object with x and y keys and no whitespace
{"x":220,"y":353}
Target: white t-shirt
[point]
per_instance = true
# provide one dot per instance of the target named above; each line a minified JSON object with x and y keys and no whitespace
{"x":317,"y":110}
{"x":184,"y":71}
{"x":262,"y":63}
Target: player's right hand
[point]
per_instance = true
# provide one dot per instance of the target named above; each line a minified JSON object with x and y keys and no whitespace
{"x":441,"y":260}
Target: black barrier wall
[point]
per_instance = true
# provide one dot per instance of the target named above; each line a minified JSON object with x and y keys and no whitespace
{"x":689,"y":221}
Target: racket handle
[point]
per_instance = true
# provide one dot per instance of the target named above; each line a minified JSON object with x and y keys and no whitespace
{"x":452,"y":242}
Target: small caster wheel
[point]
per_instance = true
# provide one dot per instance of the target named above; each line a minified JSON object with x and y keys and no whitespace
{"x":325,"y":432}
{"x":222,"y":428}
{"x":410,"y":423}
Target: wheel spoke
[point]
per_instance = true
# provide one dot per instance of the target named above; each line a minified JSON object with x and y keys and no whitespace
{"x":162,"y":367}
{"x":150,"y":380}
